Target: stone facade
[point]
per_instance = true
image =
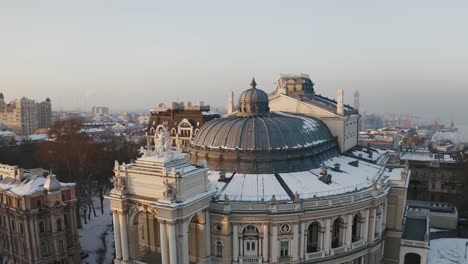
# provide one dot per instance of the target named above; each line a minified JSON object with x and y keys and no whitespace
{"x":37,"y":218}
{"x":24,"y":116}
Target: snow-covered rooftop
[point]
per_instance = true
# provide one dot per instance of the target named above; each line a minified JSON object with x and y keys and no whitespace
{"x":425,"y":156}
{"x":261,"y":187}
{"x":447,"y":251}
{"x":30,"y":185}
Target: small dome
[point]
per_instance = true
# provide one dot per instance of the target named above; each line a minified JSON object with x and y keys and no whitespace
{"x":253,"y":101}
{"x":48,"y":99}
{"x":52,"y":185}
{"x":1,"y":96}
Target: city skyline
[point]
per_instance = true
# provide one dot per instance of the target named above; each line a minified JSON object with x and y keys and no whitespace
{"x":129,"y":56}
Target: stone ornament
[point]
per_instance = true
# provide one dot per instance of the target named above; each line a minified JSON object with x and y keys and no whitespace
{"x":285,"y":228}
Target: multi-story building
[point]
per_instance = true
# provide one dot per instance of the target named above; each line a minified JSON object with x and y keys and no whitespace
{"x":182,"y":119}
{"x":100,"y":110}
{"x":44,"y":113}
{"x":259,"y":187}
{"x":37,"y":218}
{"x":24,"y":116}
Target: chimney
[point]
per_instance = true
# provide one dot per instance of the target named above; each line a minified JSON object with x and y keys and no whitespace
{"x":339,"y":103}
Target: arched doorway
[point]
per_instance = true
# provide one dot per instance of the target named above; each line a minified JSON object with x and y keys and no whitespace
{"x":145,"y":243}
{"x":196,"y":238}
{"x":412,"y":258}
{"x":313,"y":239}
{"x":337,"y":232}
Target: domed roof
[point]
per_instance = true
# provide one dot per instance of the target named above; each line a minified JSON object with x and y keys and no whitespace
{"x":253,"y":101}
{"x":262,"y":144}
{"x":278,"y":131}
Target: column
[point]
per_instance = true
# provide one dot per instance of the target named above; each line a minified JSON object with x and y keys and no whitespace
{"x":301,"y":241}
{"x":349,"y":231}
{"x":327,"y":236}
{"x":28,"y":232}
{"x":208,"y":234}
{"x":384,"y":212}
{"x":185,"y":243}
{"x":35,"y":242}
{"x":118,"y":247}
{"x":124,"y":234}
{"x":295,"y":242}
{"x":365,"y":228}
{"x":265,"y":243}
{"x":274,"y":244}
{"x":380,"y":221}
{"x":372,"y":224}
{"x":172,"y":243}
{"x":163,"y":238}
{"x":235,"y":243}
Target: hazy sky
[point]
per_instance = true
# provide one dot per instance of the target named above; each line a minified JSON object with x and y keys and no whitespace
{"x":403,"y":56}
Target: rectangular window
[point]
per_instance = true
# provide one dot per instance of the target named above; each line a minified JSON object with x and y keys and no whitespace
{"x":41,"y":227}
{"x":284,"y":249}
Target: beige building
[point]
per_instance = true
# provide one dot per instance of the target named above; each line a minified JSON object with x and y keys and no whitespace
{"x":37,"y":218}
{"x":259,"y":187}
{"x":24,"y":116}
{"x":296,"y":94}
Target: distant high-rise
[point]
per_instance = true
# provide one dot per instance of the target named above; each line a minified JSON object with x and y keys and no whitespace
{"x":356,"y":100}
{"x":100,"y":110}
{"x":24,"y":116}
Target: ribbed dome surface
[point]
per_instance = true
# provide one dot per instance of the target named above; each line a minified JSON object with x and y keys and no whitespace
{"x":253,"y":95}
{"x":277,"y":131}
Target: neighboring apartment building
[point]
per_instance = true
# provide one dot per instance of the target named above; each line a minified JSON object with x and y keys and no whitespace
{"x":38,"y":221}
{"x":182,"y":119}
{"x":100,"y":110}
{"x":259,"y":187}
{"x":24,"y":116}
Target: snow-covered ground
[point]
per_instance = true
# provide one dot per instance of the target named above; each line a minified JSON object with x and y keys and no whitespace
{"x":91,"y":235}
{"x":448,"y":251}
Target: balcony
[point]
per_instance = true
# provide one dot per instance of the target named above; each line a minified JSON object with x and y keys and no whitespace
{"x":284,"y":260}
{"x":314,"y":255}
{"x":250,"y":259}
{"x":338,"y":250}
{"x":357,"y":244}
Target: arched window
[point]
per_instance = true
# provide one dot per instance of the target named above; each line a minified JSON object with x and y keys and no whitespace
{"x":357,"y":227}
{"x":219,"y":249}
{"x":313,"y":237}
{"x":337,"y":233}
{"x":412,"y":258}
{"x":250,"y":238}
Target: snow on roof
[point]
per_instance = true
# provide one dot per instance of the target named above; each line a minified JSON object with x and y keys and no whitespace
{"x":209,"y":113}
{"x":349,"y":178}
{"x":254,"y":187}
{"x":6,"y":133}
{"x":30,"y":185}
{"x":35,"y":137}
{"x":447,"y":251}
{"x":260,"y":187}
{"x":425,"y":156}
